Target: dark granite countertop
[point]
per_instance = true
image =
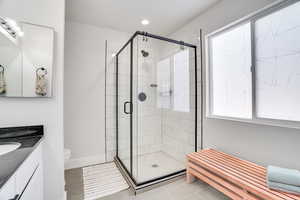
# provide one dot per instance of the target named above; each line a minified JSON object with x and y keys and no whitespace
{"x":29,"y":137}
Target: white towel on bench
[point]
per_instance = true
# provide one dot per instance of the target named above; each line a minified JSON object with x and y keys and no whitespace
{"x":284,"y":176}
{"x":284,"y":187}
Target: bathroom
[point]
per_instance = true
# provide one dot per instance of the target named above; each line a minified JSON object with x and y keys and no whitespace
{"x":74,"y":99}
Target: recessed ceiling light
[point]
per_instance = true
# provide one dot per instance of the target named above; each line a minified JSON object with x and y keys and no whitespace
{"x":145,"y":22}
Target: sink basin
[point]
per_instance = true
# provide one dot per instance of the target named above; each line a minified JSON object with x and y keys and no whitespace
{"x":8,"y":147}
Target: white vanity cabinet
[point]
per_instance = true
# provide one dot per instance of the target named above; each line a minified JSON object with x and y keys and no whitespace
{"x":34,"y":190}
{"x":8,"y":191}
{"x":27,"y":182}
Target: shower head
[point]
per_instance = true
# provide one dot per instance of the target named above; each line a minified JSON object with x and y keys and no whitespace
{"x":145,"y":53}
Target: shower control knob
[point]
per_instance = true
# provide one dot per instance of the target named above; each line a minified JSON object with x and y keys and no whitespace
{"x":142,"y":96}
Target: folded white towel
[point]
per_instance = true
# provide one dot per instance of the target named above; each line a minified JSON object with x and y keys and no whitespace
{"x":284,"y":176}
{"x":284,"y":187}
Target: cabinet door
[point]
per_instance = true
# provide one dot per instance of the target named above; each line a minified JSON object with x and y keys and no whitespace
{"x":34,"y":189}
{"x":9,"y":189}
{"x":28,"y":167}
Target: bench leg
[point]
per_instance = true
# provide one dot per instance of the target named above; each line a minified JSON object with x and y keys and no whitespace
{"x":189,"y":177}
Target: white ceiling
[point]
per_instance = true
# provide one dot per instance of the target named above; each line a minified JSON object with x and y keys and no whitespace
{"x":165,"y":16}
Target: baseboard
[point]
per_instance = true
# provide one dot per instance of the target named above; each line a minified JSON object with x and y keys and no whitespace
{"x":84,"y":161}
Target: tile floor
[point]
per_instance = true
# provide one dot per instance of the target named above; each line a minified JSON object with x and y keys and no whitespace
{"x":177,"y":190}
{"x":143,"y":169}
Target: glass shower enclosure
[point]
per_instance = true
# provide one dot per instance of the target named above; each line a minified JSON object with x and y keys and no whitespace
{"x":156,"y":107}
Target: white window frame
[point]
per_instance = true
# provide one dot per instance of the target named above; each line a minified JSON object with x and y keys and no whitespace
{"x":252,"y":18}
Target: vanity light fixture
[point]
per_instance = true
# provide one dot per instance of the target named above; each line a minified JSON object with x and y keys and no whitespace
{"x":145,"y":22}
{"x":12,"y":23}
{"x":11,"y":27}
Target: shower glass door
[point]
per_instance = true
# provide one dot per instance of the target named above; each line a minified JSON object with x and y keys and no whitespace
{"x":164,"y":108}
{"x":124,"y":108}
{"x":156,"y":107}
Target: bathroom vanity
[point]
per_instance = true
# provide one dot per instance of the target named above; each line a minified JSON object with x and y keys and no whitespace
{"x":21,"y":169}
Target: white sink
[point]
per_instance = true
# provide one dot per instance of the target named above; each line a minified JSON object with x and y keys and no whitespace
{"x":8,"y":147}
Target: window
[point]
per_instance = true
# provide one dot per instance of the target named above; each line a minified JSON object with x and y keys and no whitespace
{"x":273,"y":37}
{"x":230,"y":67}
{"x":181,"y":81}
{"x":278,"y":64}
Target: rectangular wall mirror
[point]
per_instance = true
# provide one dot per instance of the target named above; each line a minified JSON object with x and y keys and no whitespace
{"x":26,"y":59}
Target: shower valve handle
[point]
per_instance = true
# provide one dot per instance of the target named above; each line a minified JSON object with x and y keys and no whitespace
{"x":125,"y":107}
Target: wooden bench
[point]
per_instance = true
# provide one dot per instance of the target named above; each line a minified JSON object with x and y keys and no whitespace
{"x":236,"y":178}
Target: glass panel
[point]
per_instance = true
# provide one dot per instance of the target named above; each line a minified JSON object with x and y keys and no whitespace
{"x":124,"y":107}
{"x":162,"y":136}
{"x":230,"y":64}
{"x":277,"y":64}
{"x":163,"y":74}
{"x":181,"y":81}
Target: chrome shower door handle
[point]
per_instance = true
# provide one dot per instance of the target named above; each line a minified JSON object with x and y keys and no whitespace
{"x":125,"y":107}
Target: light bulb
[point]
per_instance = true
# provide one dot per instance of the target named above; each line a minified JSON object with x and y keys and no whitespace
{"x":145,"y":22}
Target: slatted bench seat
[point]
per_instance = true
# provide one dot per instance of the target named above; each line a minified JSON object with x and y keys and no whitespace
{"x":236,"y":178}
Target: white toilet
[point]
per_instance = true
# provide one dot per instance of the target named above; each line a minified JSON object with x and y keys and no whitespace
{"x":67,"y":156}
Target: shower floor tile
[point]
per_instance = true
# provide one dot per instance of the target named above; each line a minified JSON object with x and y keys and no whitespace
{"x":154,"y":165}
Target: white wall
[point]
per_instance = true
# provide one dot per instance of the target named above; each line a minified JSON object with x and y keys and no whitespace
{"x":259,"y":143}
{"x":85,"y":91}
{"x":49,"y":112}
